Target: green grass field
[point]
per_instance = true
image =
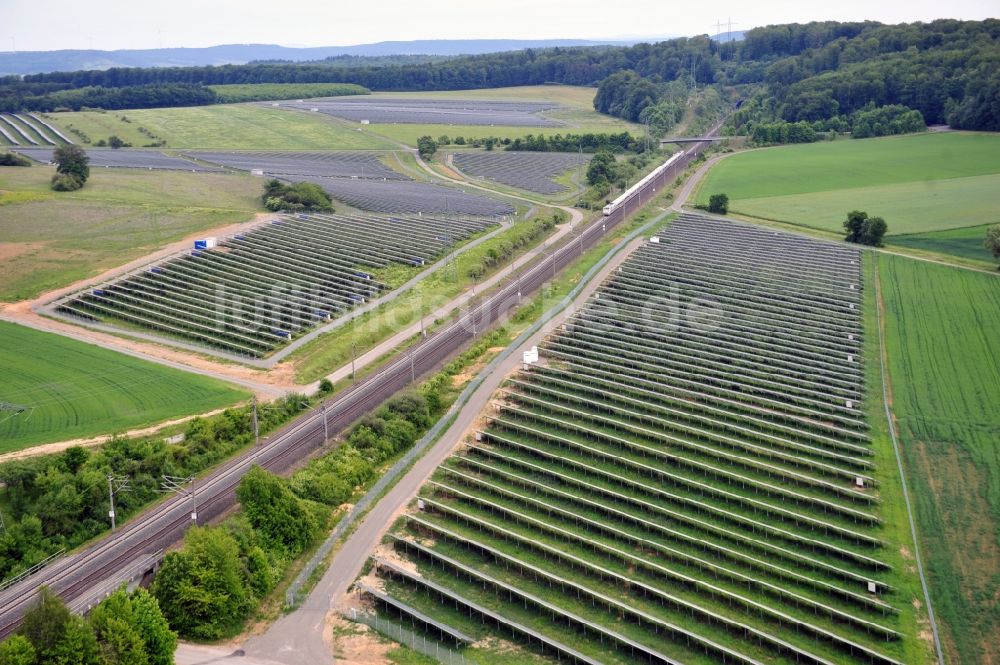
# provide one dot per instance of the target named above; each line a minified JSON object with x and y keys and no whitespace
{"x":51,"y":239}
{"x":913,"y":207}
{"x":225,"y":126}
{"x":78,"y":390}
{"x":918,"y":183}
{"x":965,"y":242}
{"x":942,"y":335}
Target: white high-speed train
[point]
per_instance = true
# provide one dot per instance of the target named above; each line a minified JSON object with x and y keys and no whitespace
{"x":634,"y":189}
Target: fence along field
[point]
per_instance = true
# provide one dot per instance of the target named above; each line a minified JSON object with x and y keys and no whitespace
{"x":258,"y":290}
{"x":68,"y":389}
{"x":687,"y":475}
{"x":535,"y":172}
{"x":942,"y":329}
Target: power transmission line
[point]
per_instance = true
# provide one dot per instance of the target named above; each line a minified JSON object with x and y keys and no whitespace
{"x":180,"y":486}
{"x":116,"y":484}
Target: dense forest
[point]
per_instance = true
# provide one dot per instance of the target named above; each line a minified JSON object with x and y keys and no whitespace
{"x":947,"y":70}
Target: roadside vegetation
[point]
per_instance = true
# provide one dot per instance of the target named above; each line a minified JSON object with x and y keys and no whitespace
{"x":126,"y":628}
{"x":13,"y":159}
{"x":222,"y":575}
{"x":59,"y":501}
{"x":864,"y":230}
{"x":992,"y":240}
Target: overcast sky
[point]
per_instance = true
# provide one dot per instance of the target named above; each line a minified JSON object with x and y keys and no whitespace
{"x":31,"y":25}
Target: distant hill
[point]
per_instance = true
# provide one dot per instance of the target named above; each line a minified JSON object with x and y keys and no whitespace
{"x":37,"y":62}
{"x":733,"y":36}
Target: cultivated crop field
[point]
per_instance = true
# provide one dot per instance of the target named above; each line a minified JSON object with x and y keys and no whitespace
{"x":687,"y":476}
{"x":125,"y":158}
{"x":942,"y":329}
{"x":52,"y":239}
{"x":71,"y":390}
{"x":966,"y":243}
{"x":220,"y":127}
{"x":260,"y":289}
{"x":918,"y":183}
{"x":533,"y":171}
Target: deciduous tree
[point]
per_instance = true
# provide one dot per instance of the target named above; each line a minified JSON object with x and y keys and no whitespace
{"x":854,"y":225}
{"x":278,"y":515}
{"x":718,"y":204}
{"x":992,"y":241}
{"x":426,"y":146}
{"x":17,"y":650}
{"x":200,"y":588}
{"x":603,"y":168}
{"x":71,"y":160}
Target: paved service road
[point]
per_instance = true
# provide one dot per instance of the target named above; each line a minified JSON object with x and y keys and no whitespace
{"x":301,"y":637}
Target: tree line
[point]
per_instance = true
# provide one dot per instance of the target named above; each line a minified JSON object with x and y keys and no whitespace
{"x":18,"y":95}
{"x":867,"y":122}
{"x":948,"y":70}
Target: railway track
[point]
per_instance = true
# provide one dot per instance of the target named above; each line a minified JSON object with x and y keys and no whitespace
{"x":162,"y":525}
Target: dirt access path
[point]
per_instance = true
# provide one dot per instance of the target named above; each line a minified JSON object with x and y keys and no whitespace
{"x":266,"y":384}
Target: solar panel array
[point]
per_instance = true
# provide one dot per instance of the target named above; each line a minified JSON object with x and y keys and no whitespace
{"x":381,"y":110}
{"x":292,"y":163}
{"x":407,"y":196}
{"x":687,"y":476}
{"x":532,"y":171}
{"x":258,"y":290}
{"x":361,"y":181}
{"x":125,"y":158}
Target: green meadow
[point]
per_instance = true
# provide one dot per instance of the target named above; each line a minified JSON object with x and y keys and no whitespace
{"x":223,"y":126}
{"x":942,"y":337}
{"x":919,"y":183}
{"x":52,"y":239}
{"x":73,"y":390}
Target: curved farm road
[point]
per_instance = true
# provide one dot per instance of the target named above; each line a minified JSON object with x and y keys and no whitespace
{"x":265,"y":384}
